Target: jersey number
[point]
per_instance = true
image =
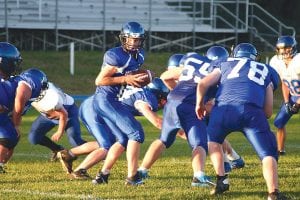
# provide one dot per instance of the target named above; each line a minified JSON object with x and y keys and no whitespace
{"x":294,"y":86}
{"x":257,"y":71}
{"x":189,"y":69}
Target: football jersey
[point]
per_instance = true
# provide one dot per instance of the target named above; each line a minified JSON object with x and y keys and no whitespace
{"x":290,"y":74}
{"x":52,"y":99}
{"x":195,"y":68}
{"x":243,"y":81}
{"x":125,"y":63}
{"x":133,"y":95}
{"x":7,"y":96}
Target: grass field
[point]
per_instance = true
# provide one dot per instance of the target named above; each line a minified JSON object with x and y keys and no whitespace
{"x":31,"y":176}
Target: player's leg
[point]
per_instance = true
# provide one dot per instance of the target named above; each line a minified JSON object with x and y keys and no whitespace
{"x":73,"y":127}
{"x":8,"y":140}
{"x":281,"y":137}
{"x":216,"y":133}
{"x":264,"y":142}
{"x":167,"y":138}
{"x":280,"y":122}
{"x":37,"y":135}
{"x":235,"y":160}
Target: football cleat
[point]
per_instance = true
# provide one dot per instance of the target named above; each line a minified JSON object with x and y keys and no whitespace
{"x":100,"y":179}
{"x":281,"y":152}
{"x":227,"y":167}
{"x":134,"y":181}
{"x":221,"y":186}
{"x":276,"y":195}
{"x":66,"y":160}
{"x":81,"y":174}
{"x":143,"y":174}
{"x":238,"y":163}
{"x":202,"y":181}
{"x":2,"y":169}
{"x":53,"y":157}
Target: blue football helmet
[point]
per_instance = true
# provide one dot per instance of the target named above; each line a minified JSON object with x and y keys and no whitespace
{"x":245,"y":50}
{"x":216,"y":52}
{"x":37,"y":74}
{"x":10,"y":59}
{"x":132,"y":30}
{"x":174,"y":60}
{"x":158,"y":88}
{"x":283,"y":42}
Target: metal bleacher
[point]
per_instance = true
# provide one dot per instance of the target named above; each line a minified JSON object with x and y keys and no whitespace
{"x":179,"y":23}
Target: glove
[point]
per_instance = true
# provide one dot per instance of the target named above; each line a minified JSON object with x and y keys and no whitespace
{"x":295,"y":108}
{"x":288,"y":108}
{"x":292,"y":109}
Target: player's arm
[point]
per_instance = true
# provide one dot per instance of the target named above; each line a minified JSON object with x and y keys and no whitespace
{"x":62,"y":116}
{"x":285,"y":92}
{"x":145,"y":109}
{"x":202,"y":87}
{"x":171,"y":76}
{"x":23,"y":94}
{"x":105,"y":77}
{"x":268,"y":106}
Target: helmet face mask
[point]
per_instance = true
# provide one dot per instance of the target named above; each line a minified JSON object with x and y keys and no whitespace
{"x":132,"y":37}
{"x":286,"y":47}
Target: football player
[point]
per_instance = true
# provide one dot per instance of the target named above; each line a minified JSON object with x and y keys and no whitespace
{"x":56,"y":108}
{"x":179,"y":114}
{"x":286,"y":62}
{"x":239,"y":78}
{"x":140,"y":101}
{"x":96,"y":150}
{"x":16,"y":94}
{"x":110,"y":83}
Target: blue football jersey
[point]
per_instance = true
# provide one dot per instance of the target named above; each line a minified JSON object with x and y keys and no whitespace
{"x":125,"y":62}
{"x":7,"y":91}
{"x":132,"y":95}
{"x":243,"y":81}
{"x":195,"y":68}
{"x":32,"y":82}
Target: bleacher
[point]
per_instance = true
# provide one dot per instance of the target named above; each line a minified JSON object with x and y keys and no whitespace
{"x":190,"y":20}
{"x":95,"y":15}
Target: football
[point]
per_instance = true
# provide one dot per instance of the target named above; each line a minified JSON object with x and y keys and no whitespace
{"x":146,"y":76}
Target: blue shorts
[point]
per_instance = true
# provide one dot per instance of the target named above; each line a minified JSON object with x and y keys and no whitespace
{"x":248,"y":119}
{"x":119,"y":119}
{"x":182,"y":115}
{"x":95,"y":124}
{"x":282,"y":116}
{"x":42,"y":125}
{"x":8,"y":133}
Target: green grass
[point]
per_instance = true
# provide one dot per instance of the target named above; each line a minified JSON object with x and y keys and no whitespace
{"x":31,"y":176}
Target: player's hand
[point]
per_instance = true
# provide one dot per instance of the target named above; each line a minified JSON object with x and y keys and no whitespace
{"x":291,"y":109}
{"x":56,"y":136}
{"x":295,"y":108}
{"x":135,"y":80}
{"x":200,"y":111}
